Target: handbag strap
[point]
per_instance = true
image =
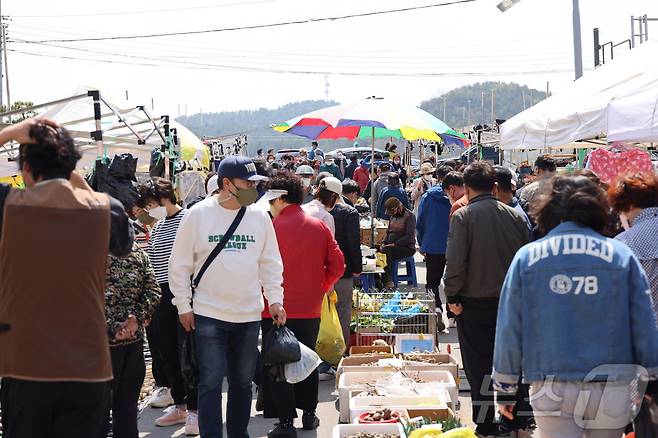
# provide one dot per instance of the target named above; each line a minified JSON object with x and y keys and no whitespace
{"x":220,"y":246}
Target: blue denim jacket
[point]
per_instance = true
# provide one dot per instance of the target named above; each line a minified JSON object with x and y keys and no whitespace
{"x":571,"y":302}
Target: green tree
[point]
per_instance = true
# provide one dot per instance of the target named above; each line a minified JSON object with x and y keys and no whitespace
{"x":19,"y":105}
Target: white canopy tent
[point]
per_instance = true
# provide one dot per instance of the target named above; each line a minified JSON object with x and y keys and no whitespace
{"x":101,"y":128}
{"x":618,"y":101}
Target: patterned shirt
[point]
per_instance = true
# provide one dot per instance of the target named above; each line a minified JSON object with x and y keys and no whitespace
{"x":161,"y":244}
{"x":131,"y":290}
{"x":641,"y":238}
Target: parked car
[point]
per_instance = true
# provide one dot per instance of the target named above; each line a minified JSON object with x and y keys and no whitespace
{"x":491,"y":154}
{"x":361,"y":151}
{"x":279,"y":155}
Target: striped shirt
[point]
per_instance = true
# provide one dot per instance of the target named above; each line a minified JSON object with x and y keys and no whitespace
{"x":161,"y":243}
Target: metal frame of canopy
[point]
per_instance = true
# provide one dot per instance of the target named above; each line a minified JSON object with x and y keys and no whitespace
{"x":139,"y":133}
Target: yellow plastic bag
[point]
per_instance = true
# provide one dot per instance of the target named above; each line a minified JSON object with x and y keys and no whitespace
{"x":330,"y":345}
{"x":381,"y":260}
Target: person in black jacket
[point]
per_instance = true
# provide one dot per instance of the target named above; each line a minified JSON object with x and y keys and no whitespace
{"x":346,"y":220}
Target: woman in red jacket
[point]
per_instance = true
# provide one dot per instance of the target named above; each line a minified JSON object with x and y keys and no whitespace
{"x":312,"y":264}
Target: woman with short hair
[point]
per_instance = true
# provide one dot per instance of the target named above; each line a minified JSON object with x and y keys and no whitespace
{"x":635,"y":199}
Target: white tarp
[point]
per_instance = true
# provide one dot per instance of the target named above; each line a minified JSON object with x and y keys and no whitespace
{"x":617,"y":100}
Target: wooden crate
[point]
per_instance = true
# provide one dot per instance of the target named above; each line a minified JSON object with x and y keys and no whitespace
{"x":366,"y":236}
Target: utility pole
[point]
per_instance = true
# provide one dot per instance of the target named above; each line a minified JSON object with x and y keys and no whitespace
{"x":469,"y":112}
{"x":482,"y":109}
{"x":523,"y":94}
{"x":548,"y":89}
{"x":4,"y":45}
{"x":326,"y":88}
{"x":1,"y":48}
{"x":577,"y":42}
{"x":185,"y":110}
{"x":445,"y":99}
{"x":152,"y":104}
{"x":492,"y":107}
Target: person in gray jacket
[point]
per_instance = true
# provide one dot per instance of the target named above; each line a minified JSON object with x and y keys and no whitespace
{"x":483,"y":239}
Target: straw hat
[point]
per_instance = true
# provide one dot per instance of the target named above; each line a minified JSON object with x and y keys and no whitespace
{"x":426,"y":168}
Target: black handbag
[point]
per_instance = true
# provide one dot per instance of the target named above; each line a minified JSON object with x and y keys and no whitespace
{"x":188,"y":356}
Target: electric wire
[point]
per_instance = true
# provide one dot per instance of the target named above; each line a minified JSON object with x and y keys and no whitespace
{"x":260,"y":26}
{"x":199,"y":66}
{"x":151,"y":11}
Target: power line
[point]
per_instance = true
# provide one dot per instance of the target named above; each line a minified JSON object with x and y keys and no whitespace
{"x":150,"y":11}
{"x":195,"y":52}
{"x":488,"y":45}
{"x":371,"y":62}
{"x":257,"y":26}
{"x":200,"y":66}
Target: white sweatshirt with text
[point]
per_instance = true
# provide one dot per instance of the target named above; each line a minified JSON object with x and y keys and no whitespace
{"x":230,"y":289}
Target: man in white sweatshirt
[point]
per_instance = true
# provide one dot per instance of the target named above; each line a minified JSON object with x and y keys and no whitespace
{"x":225,"y":312}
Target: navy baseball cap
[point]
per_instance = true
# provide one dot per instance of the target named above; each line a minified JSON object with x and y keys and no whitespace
{"x":235,"y":166}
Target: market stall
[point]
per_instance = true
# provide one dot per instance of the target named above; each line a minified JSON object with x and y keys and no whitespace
{"x":617,"y":101}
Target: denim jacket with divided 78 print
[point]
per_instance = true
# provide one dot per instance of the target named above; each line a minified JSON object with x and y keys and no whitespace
{"x":571,"y":302}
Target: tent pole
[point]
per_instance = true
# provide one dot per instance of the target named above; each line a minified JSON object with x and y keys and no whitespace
{"x":98,"y":134}
{"x":166,"y":146}
{"x":372,"y":187}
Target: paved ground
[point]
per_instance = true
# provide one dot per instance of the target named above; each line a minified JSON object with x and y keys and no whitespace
{"x":327,"y":411}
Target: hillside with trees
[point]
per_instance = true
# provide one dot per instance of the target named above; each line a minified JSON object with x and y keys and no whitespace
{"x":464,"y":106}
{"x":471,"y":104}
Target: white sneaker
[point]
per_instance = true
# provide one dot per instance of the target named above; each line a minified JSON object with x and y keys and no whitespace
{"x":192,"y":424}
{"x":161,"y":398}
{"x":330,"y":374}
{"x":172,"y":416}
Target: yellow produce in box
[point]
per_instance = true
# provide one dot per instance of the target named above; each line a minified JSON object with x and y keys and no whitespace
{"x":432,"y":431}
{"x":460,"y":432}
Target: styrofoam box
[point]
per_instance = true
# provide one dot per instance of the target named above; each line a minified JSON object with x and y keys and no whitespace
{"x":449,"y":363}
{"x":370,"y":349}
{"x":359,"y":381}
{"x":344,"y":430}
{"x":359,"y":405}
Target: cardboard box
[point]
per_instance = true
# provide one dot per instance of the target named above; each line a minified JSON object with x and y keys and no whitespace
{"x":366,"y":236}
{"x":443,"y":361}
{"x":368,"y":349}
{"x":359,"y":405}
{"x":365,"y":380}
{"x":434,"y":414}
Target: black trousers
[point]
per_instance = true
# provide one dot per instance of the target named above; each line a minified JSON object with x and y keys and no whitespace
{"x":435,"y":265}
{"x":167,"y":338}
{"x":129,"y":370}
{"x":476,"y":328}
{"x":394,"y":253}
{"x":283,"y":399}
{"x":157,"y":365}
{"x":33,"y":409}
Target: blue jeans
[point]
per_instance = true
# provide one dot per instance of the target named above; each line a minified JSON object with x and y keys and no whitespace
{"x":225,"y":349}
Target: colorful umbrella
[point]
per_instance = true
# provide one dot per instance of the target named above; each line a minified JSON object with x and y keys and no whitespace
{"x":368,"y":118}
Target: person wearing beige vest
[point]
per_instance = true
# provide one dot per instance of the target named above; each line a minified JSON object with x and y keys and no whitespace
{"x":55,"y":237}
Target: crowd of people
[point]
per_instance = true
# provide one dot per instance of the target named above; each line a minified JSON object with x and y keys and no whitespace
{"x":550,"y":279}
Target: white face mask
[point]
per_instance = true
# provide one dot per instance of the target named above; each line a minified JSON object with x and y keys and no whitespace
{"x":306,"y":182}
{"x":427,"y":177}
{"x":158,"y":213}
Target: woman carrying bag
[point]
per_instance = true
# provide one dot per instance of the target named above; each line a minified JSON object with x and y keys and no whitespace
{"x":312,"y":263}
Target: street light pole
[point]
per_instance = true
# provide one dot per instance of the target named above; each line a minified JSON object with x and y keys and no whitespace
{"x":577,"y":43}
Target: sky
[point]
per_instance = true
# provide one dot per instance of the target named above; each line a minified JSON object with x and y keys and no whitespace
{"x":405,"y":56}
